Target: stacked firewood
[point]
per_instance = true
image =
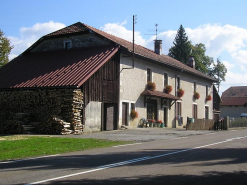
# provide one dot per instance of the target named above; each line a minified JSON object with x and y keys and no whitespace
{"x":71,"y":109}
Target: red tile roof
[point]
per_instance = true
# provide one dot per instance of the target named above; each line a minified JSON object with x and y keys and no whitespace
{"x":235,"y":91}
{"x":159,"y":94}
{"x":234,"y":101}
{"x":140,"y":50}
{"x":54,"y":69}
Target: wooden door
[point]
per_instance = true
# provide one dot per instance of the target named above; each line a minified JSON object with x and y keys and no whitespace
{"x":124,"y":114}
{"x":110,"y":117}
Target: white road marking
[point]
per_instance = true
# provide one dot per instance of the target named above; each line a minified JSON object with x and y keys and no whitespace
{"x":179,"y":138}
{"x":127,"y":145}
{"x":133,"y":161}
{"x":209,"y":134}
{"x":5,"y":162}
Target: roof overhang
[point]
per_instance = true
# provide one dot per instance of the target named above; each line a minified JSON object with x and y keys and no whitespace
{"x":166,"y":99}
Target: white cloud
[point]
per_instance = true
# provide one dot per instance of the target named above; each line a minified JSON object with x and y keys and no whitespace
{"x":117,"y":29}
{"x":28,"y":35}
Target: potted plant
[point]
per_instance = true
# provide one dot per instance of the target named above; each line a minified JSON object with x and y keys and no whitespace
{"x":209,"y":98}
{"x":151,"y":122}
{"x":180,"y":92}
{"x":168,"y":89}
{"x":134,"y":114}
{"x":158,"y":123}
{"x":196,"y":95}
{"x":151,"y":86}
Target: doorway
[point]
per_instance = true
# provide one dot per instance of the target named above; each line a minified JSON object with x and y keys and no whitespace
{"x":152,"y":109}
{"x":124,"y":113}
{"x":165,"y":116}
{"x":110,"y":116}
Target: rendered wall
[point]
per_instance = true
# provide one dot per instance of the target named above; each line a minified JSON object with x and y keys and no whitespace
{"x":133,"y":83}
{"x":93,"y":117}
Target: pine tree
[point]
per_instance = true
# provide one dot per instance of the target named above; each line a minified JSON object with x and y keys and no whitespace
{"x":5,"y":49}
{"x":182,"y":46}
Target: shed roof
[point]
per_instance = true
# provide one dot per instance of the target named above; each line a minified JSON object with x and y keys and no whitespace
{"x":159,"y":94}
{"x":54,"y":68}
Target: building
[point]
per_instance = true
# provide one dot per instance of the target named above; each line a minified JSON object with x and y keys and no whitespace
{"x":111,"y":80}
{"x":234,"y":101}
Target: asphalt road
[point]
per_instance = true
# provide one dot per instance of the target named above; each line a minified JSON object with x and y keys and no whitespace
{"x":209,"y":158}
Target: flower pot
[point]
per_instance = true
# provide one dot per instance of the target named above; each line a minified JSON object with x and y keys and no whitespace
{"x":158,"y":124}
{"x":162,"y":125}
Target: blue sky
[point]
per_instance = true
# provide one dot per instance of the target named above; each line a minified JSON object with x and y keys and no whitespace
{"x":219,"y":24}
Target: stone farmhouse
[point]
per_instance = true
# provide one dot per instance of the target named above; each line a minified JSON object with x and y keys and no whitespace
{"x":105,"y":81}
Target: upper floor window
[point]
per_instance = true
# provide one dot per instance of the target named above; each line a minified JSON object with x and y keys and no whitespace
{"x":194,"y":87}
{"x":67,"y":44}
{"x":178,"y":83}
{"x":149,"y":75}
{"x":206,"y":90}
{"x":165,"y":79}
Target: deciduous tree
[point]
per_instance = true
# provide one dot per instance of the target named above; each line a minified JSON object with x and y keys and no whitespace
{"x":5,"y":49}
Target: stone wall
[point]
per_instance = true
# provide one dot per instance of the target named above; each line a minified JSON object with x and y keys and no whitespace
{"x":42,"y":105}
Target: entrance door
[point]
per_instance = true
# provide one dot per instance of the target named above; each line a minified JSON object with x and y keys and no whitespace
{"x":110,"y":117}
{"x":152,"y":109}
{"x":165,"y":116}
{"x":124,"y":114}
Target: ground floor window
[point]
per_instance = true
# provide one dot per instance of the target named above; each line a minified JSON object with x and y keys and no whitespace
{"x":206,"y":112}
{"x":194,"y":111}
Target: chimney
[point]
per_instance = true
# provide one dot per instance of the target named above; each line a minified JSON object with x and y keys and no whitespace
{"x":191,"y":62}
{"x":158,"y":46}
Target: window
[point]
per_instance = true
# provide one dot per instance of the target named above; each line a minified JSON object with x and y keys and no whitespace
{"x":206,"y":90}
{"x":179,"y":109}
{"x":194,"y":87}
{"x":67,"y":44}
{"x":194,"y":111}
{"x":178,"y":82}
{"x":149,"y":75}
{"x":206,"y":112}
{"x":132,"y":106}
{"x":165,"y":79}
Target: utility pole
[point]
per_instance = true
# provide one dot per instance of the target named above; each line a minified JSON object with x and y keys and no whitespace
{"x":133,"y":57}
{"x":218,"y":73}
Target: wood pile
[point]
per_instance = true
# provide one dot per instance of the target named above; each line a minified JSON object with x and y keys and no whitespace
{"x":40,"y":106}
{"x":71,"y":109}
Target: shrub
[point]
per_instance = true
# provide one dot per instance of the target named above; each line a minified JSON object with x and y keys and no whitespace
{"x":11,"y":127}
{"x":51,"y":126}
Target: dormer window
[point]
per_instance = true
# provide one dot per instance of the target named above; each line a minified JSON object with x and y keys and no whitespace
{"x":67,"y":44}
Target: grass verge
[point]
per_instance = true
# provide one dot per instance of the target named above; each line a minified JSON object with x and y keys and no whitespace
{"x":21,"y":147}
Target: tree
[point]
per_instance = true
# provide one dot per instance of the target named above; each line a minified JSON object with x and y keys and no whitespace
{"x":202,"y":62}
{"x":182,"y":46}
{"x":218,"y":71}
{"x":5,"y":49}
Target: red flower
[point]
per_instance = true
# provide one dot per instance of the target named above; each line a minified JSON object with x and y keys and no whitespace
{"x":134,"y":114}
{"x":208,"y":98}
{"x":196,"y":95}
{"x":180,"y":92}
{"x":151,"y":86}
{"x":168,"y":89}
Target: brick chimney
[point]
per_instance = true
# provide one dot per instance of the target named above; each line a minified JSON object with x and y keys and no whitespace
{"x":191,"y":62}
{"x":158,"y":47}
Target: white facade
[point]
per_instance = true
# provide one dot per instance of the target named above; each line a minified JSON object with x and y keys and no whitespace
{"x":133,"y":83}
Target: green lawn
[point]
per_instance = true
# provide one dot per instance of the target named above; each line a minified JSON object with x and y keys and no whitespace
{"x":20,"y":147}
